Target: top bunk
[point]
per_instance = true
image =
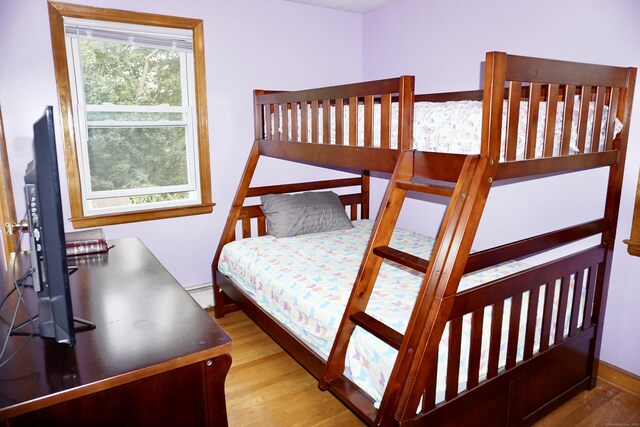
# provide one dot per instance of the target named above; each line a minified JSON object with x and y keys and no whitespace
{"x":535,"y":116}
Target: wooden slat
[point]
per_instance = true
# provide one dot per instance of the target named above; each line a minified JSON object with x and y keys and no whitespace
{"x":262,"y":227}
{"x":285,"y":121}
{"x":469,"y":95}
{"x":267,"y":120}
{"x":527,"y":69}
{"x":304,"y":122}
{"x":505,"y":287}
{"x":363,"y":158}
{"x":429,"y":395}
{"x":403,"y":258}
{"x":550,"y":123}
{"x":597,"y":119}
{"x":497,"y":313}
{"x":251,"y":211}
{"x":513,"y":117}
{"x":440,"y":190}
{"x":535,"y":244}
{"x":585,"y":98}
{"x":532,"y":121}
{"x":613,"y":108}
{"x":246,"y":228}
{"x":339,"y":121}
{"x":475,"y":348}
{"x":353,"y":212}
{"x":326,"y":122}
{"x":567,"y":119}
{"x":361,"y":89}
{"x":276,"y":122}
{"x":368,"y":121}
{"x":453,"y":358}
{"x":385,"y":120}
{"x":562,"y":308}
{"x":514,"y":322}
{"x":547,"y":313}
{"x":350,"y":199}
{"x":550,"y":165}
{"x":532,"y":314}
{"x":314,"y":122}
{"x":591,"y":290}
{"x":378,"y":329}
{"x":303,"y":186}
{"x":575,"y":303}
{"x":294,"y":122}
{"x":353,"y":121}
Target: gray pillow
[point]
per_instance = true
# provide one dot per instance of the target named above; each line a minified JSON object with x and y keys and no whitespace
{"x":312,"y":212}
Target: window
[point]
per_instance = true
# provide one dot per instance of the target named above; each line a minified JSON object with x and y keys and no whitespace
{"x":132,"y":85}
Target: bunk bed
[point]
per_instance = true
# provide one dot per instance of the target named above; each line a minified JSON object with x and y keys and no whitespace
{"x":465,"y":335}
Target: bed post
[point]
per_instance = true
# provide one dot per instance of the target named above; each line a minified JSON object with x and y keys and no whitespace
{"x":228,"y":232}
{"x":406,"y":97}
{"x":611,"y":211}
{"x":494,"y":80}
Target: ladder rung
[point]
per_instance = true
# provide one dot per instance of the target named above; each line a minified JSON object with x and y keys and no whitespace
{"x":354,"y":398}
{"x":408,"y":260}
{"x":440,"y":190}
{"x":378,"y":329}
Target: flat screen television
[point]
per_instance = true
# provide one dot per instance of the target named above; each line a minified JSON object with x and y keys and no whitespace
{"x":49,"y":266}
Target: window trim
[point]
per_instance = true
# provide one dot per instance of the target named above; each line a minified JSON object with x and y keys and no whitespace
{"x":57,"y":12}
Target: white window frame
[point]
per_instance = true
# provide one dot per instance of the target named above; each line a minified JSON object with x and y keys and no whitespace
{"x":82,"y":123}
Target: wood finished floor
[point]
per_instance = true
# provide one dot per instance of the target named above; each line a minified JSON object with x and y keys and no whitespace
{"x":266,"y":387}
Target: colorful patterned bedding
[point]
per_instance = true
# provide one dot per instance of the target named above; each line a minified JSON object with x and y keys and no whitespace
{"x":305,"y":282}
{"x":456,"y":127}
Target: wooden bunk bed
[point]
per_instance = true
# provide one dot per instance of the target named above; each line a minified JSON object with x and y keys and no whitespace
{"x":556,"y":308}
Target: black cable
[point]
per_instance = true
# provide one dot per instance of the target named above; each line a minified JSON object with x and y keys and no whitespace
{"x":17,"y":285}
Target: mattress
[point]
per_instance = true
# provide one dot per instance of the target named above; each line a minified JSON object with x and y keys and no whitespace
{"x":305,"y":281}
{"x":456,"y":127}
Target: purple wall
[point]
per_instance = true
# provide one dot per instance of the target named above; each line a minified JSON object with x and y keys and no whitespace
{"x":274,"y":44}
{"x":443,"y":44}
{"x":270,"y":44}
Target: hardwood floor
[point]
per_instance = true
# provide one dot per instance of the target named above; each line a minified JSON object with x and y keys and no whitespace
{"x":265,"y":387}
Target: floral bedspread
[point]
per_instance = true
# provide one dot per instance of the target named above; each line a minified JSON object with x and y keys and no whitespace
{"x":305,"y":282}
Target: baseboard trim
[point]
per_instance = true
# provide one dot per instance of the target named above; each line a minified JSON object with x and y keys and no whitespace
{"x":203,"y":294}
{"x":619,"y":378}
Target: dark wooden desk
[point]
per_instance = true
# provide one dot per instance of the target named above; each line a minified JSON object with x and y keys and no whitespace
{"x":155,"y":358}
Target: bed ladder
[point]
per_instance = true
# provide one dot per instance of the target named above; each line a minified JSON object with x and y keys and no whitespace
{"x":442,"y":275}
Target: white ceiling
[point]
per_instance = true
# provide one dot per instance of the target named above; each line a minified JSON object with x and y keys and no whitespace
{"x":360,"y":6}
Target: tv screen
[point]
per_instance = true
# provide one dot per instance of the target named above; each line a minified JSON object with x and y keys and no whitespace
{"x":46,"y":236}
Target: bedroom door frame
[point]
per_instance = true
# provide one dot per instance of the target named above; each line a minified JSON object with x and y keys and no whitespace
{"x":7,"y":204}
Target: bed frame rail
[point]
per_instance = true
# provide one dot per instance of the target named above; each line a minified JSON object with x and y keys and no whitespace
{"x":330,"y":115}
{"x":563,"y":316}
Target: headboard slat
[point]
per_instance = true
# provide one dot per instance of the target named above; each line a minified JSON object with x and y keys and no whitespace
{"x":550,"y":123}
{"x":567,"y":119}
{"x":532,"y":120}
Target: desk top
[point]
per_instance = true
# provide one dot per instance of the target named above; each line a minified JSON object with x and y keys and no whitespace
{"x":146,"y":324}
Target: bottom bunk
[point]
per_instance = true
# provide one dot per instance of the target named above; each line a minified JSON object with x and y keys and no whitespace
{"x":517,"y":339}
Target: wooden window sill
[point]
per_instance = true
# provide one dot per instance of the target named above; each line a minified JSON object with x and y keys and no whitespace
{"x":146,"y":215}
{"x":633,"y":247}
